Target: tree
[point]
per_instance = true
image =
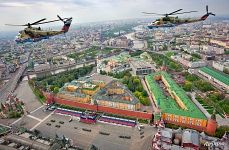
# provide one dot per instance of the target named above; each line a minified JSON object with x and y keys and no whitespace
{"x":187,"y":86}
{"x":131,"y":85}
{"x":52,"y":87}
{"x":56,"y":90}
{"x":125,"y":80}
{"x":136,"y":81}
{"x":139,"y":88}
{"x":220,"y":131}
{"x":203,"y":85}
{"x":137,"y":94}
{"x":191,"y":77}
{"x":144,"y":93}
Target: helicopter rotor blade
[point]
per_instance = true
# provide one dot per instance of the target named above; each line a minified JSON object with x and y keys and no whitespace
{"x":16,"y":25}
{"x":186,"y":12}
{"x":153,"y":13}
{"x":54,"y":20}
{"x":48,"y":22}
{"x":174,"y":12}
{"x":211,"y":14}
{"x":37,"y":21}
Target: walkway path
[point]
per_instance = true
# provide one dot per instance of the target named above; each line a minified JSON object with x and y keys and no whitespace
{"x":193,"y":95}
{"x":155,"y":109}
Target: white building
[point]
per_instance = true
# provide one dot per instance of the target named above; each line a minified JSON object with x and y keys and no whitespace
{"x":220,"y":65}
{"x":141,"y":67}
{"x":215,"y":76}
{"x":41,"y":67}
{"x":216,"y":50}
{"x":189,"y":64}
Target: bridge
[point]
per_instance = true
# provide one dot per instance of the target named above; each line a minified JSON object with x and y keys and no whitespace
{"x":12,"y":83}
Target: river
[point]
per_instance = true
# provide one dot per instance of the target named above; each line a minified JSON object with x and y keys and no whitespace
{"x":138,"y":44}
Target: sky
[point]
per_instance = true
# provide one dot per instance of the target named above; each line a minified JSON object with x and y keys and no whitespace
{"x":24,"y":11}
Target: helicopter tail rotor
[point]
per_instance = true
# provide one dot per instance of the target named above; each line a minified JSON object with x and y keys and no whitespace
{"x":209,"y":13}
{"x":60,"y":18}
{"x":67,"y":22}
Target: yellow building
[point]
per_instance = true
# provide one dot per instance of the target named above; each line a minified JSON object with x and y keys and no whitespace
{"x":116,"y":95}
{"x":80,"y":90}
{"x":175,"y":106}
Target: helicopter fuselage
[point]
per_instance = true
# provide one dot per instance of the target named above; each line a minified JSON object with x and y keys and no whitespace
{"x":33,"y":34}
{"x":171,"y":22}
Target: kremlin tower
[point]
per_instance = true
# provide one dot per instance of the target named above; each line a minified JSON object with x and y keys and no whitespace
{"x":212,"y":125}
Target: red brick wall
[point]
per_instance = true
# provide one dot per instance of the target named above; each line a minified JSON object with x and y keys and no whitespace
{"x":136,"y":114}
{"x":199,"y":128}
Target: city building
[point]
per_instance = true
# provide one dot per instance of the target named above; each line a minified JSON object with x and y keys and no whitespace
{"x":41,"y":67}
{"x":141,"y":67}
{"x":12,"y":108}
{"x":220,"y":65}
{"x":221,"y":42}
{"x":116,"y":95}
{"x":175,"y":106}
{"x":121,"y":41}
{"x":217,"y":77}
{"x":187,"y":61}
{"x":2,"y":69}
{"x":214,"y":49}
{"x":114,"y":64}
{"x":80,"y":90}
{"x":183,"y":139}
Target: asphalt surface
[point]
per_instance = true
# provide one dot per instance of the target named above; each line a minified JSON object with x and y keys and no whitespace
{"x":11,"y":84}
{"x":74,"y":130}
{"x":25,"y":94}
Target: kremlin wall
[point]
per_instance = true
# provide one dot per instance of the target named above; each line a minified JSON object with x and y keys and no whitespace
{"x":175,"y":106}
{"x":114,"y":98}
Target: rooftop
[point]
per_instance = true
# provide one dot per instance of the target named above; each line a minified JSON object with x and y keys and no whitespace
{"x":216,"y":74}
{"x":103,"y":94}
{"x":140,"y":64}
{"x":169,"y":105}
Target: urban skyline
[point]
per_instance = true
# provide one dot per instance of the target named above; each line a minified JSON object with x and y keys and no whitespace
{"x":20,"y":12}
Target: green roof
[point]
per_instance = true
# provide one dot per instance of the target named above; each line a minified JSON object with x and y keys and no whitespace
{"x":216,"y":74}
{"x":169,"y":105}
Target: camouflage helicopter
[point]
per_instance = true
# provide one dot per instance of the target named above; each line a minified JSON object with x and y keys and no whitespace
{"x":35,"y":34}
{"x":170,"y":21}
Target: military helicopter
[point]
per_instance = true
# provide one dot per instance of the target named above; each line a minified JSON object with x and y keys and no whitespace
{"x":170,"y":21}
{"x":35,"y":34}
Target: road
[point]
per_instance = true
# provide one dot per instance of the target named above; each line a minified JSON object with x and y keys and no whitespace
{"x":25,"y":94}
{"x":12,"y":84}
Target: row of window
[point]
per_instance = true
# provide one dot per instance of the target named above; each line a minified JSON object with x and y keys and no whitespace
{"x":117,"y":105}
{"x":184,"y":120}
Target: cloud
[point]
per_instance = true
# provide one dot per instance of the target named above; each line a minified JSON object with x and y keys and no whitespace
{"x":13,"y":4}
{"x":22,"y":11}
